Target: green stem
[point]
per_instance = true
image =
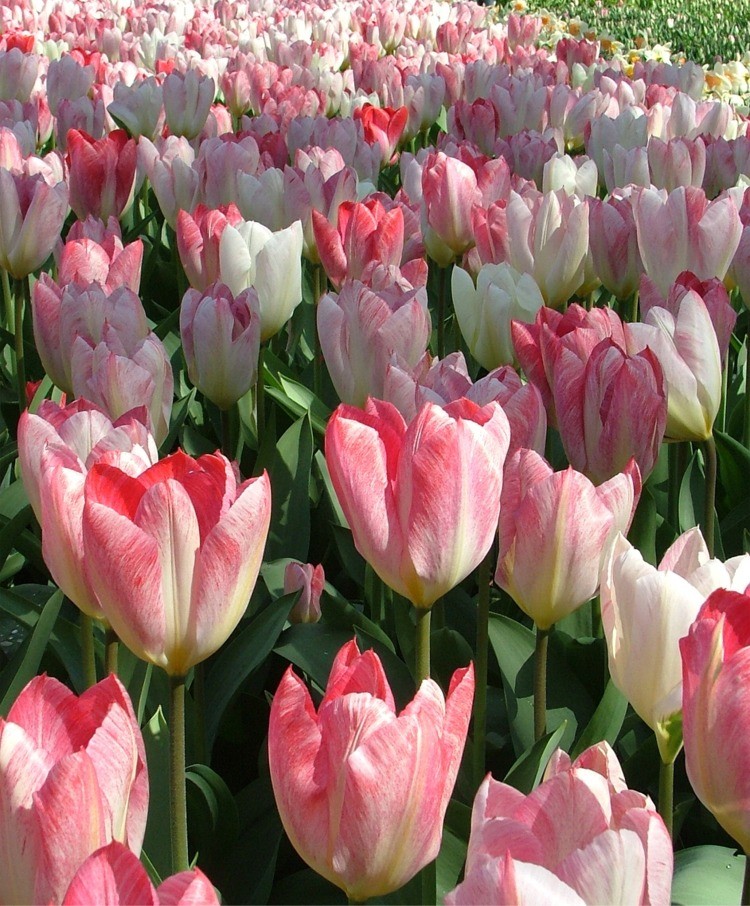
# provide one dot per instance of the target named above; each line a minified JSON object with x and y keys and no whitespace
{"x":87,"y":650}
{"x":7,"y":300}
{"x":746,"y":883}
{"x":634,"y":307}
{"x":540,"y":683}
{"x":746,"y":408}
{"x":18,"y":343}
{"x":260,"y":399}
{"x":666,"y":793}
{"x":178,"y":795}
{"x":482,"y":658}
{"x":676,"y":453}
{"x":111,"y":645}
{"x":230,"y":429}
{"x":423,"y":644}
{"x":442,"y":280}
{"x":199,"y":697}
{"x":722,"y":417}
{"x":179,"y":271}
{"x":709,"y":449}
{"x":319,"y":282}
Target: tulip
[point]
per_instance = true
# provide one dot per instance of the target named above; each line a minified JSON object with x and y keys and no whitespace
{"x":72,"y":779}
{"x":138,"y":107}
{"x":362,"y":791}
{"x":687,"y":348}
{"x":646,"y":611}
{"x":221,"y":341}
{"x":109,"y":263}
{"x":449,"y":191}
{"x":382,"y":126}
{"x":681,"y":230}
{"x":484,"y":314}
{"x":309,"y":580}
{"x":173,"y":553}
{"x":714,"y":710}
{"x":422,"y":500}
{"x":360,"y":330}
{"x":198,"y":236}
{"x":678,"y":162}
{"x":102,"y":173}
{"x":187,"y":101}
{"x":175,"y":181}
{"x":251,"y":255}
{"x":32,"y":213}
{"x":113,"y":875}
{"x":581,"y":837}
{"x":614,"y":245}
{"x":556,"y":529}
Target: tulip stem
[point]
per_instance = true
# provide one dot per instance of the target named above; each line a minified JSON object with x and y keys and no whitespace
{"x":199,"y":698}
{"x":746,"y":423}
{"x":480,"y":692}
{"x":746,"y":883}
{"x":111,"y":643}
{"x":676,"y":452}
{"x":423,"y":644}
{"x":260,"y":399}
{"x":87,"y":650}
{"x":442,"y":281}
{"x":634,"y":308}
{"x":540,"y":683}
{"x":666,"y":793}
{"x":178,"y":794}
{"x":18,"y":342}
{"x":709,"y":451}
{"x":318,"y":283}
{"x":7,"y":299}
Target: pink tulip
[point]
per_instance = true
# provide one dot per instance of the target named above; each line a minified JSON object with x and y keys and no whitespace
{"x":678,"y":162}
{"x":198,"y":236}
{"x":309,"y":580}
{"x":581,"y":837}
{"x":168,"y":164}
{"x":422,"y":500}
{"x":681,"y":230}
{"x":173,"y":553}
{"x":360,"y":329}
{"x":556,"y":530}
{"x":613,"y":242}
{"x":110,"y":264}
{"x":221,"y":340}
{"x":449,"y":192}
{"x":382,"y":126}
{"x":646,"y":611}
{"x":362,"y":791}
{"x":57,"y":447}
{"x":72,"y":779}
{"x":102,"y":173}
{"x":138,"y":107}
{"x":32,"y":213}
{"x":714,"y":710}
{"x":112,"y":876}
{"x":187,"y":101}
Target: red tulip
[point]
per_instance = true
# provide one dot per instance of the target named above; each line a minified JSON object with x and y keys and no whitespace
{"x":362,"y":791}
{"x":102,"y":173}
{"x":72,"y":778}
{"x":174,"y":553}
{"x":422,"y":500}
{"x":382,"y":126}
{"x":715,"y":713}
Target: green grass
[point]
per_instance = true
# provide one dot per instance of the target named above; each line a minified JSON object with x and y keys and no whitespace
{"x":702,"y":30}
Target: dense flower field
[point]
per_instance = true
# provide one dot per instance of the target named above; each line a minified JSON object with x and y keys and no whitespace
{"x":374,"y":500}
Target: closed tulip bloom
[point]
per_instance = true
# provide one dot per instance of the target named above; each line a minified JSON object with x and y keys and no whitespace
{"x":138,"y":107}
{"x":422,"y":500}
{"x":716,"y":728}
{"x":221,"y":340}
{"x":102,"y":173}
{"x":174,"y":553}
{"x":613,"y":242}
{"x":484,"y":313}
{"x":169,"y":165}
{"x":361,"y":790}
{"x":687,"y":348}
{"x":72,"y":779}
{"x":556,"y":529}
{"x":309,"y":581}
{"x":677,"y":162}
{"x":187,"y":101}
{"x":681,"y":230}
{"x":449,"y":191}
{"x":110,"y":264}
{"x":646,"y":611}
{"x":32,"y":213}
{"x":198,"y":237}
{"x":581,"y":837}
{"x":251,"y":255}
{"x":361,"y":329}
{"x":115,"y":876}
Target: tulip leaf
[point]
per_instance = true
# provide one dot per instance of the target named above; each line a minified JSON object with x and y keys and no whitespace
{"x":237,"y":660}
{"x":157,"y":842}
{"x":312,"y":648}
{"x":567,"y":698}
{"x":179,"y":414}
{"x":690,"y":506}
{"x":339,"y":612}
{"x":734,"y":467}
{"x":294,"y":397}
{"x":213,"y":819}
{"x":526,"y":773}
{"x":290,"y":482}
{"x":308,"y":887}
{"x":704,"y":875}
{"x":606,"y":723}
{"x":24,"y":665}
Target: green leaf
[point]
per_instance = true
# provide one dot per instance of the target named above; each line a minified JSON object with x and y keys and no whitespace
{"x":237,"y":660}
{"x":294,"y":397}
{"x":179,"y":414}
{"x":690,"y":504}
{"x":312,"y":648}
{"x":705,"y":875}
{"x":213,"y":819}
{"x":290,"y":483}
{"x":734,"y":467}
{"x":157,"y":842}
{"x":567,"y":699}
{"x":24,"y":664}
{"x":606,"y":722}
{"x":527,"y":771}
